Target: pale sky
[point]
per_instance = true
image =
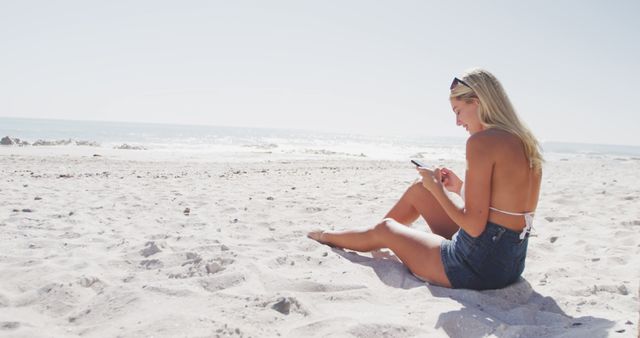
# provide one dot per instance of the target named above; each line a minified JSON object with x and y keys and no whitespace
{"x":369,"y":67}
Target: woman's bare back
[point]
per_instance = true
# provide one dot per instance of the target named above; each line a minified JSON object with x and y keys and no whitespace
{"x":515,"y":186}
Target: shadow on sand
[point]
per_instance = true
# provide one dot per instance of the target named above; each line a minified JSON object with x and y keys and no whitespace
{"x":515,"y":311}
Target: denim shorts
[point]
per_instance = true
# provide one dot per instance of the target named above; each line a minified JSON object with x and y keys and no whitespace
{"x":493,"y":260}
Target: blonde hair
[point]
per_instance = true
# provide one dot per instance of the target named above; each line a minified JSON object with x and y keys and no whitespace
{"x":495,"y":110}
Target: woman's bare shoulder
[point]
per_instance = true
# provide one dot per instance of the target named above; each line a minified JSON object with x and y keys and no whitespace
{"x":493,"y":144}
{"x":491,"y":136}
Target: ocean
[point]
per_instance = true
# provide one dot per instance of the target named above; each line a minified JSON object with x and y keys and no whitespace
{"x":280,"y":143}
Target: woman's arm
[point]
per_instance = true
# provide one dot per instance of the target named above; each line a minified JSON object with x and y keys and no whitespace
{"x":473,"y":217}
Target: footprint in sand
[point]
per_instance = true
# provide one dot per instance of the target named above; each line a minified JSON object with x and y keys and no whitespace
{"x":70,"y":235}
{"x":284,"y":261}
{"x":150,"y":249}
{"x":388,"y":330}
{"x":285,"y":284}
{"x":221,"y":282}
{"x":196,"y":266}
{"x":169,"y":291}
{"x":620,"y":289}
{"x":105,"y":306}
{"x":563,"y":201}
{"x":150,"y":264}
{"x":552,"y":219}
{"x":214,"y":267}
{"x":54,"y":299}
{"x":617,"y":260}
{"x":313,"y":209}
{"x":343,"y":326}
{"x":635,"y":222}
{"x":9,"y":325}
{"x":191,"y":258}
{"x":90,"y":282}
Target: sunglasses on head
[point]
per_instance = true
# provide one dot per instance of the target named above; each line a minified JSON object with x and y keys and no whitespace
{"x":455,"y":82}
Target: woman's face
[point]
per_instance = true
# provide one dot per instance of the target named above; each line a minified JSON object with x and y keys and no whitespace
{"x":467,"y":115}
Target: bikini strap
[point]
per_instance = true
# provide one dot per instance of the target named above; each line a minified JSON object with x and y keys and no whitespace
{"x":528,"y":220}
{"x":528,"y":216}
{"x":509,"y":212}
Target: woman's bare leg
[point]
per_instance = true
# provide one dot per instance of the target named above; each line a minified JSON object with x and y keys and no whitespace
{"x":419,"y":251}
{"x":417,"y":201}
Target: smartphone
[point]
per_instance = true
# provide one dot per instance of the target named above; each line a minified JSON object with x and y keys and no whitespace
{"x":418,"y":163}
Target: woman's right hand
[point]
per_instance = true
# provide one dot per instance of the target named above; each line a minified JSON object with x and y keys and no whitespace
{"x":450,"y":180}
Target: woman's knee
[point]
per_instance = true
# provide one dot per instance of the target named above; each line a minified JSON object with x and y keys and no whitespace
{"x":417,"y":185}
{"x":381,"y":232}
{"x":418,"y":191}
{"x":386,"y":226}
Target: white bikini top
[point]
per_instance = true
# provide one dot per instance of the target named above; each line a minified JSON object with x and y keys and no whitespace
{"x":528,"y":216}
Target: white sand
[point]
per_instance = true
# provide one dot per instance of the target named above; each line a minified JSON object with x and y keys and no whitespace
{"x":107,"y":250}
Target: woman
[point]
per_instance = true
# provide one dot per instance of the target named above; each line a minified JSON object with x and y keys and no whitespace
{"x":482,"y":245}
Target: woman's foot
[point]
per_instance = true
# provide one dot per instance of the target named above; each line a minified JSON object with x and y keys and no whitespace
{"x":316,"y":235}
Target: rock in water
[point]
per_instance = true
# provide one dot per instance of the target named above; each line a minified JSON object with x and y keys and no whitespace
{"x":7,"y":141}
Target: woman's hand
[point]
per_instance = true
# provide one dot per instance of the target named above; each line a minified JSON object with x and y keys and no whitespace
{"x":431,"y":179}
{"x":450,"y":180}
{"x":440,"y":177}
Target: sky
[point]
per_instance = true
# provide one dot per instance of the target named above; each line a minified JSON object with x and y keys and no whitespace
{"x":366,"y":67}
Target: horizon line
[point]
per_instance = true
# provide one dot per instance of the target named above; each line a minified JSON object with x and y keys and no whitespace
{"x":303,"y":130}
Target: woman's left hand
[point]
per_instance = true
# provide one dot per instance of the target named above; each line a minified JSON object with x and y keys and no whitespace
{"x":431,"y":179}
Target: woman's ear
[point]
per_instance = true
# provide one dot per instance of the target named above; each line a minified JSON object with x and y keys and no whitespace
{"x":479,"y":110}
{"x":472,"y":100}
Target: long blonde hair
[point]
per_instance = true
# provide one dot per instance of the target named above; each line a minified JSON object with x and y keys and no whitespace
{"x":496,"y":111}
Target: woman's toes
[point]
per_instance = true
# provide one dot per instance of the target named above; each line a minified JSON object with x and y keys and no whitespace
{"x":316,"y":235}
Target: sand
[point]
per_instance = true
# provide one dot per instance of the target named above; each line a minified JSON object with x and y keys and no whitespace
{"x":129,"y":244}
